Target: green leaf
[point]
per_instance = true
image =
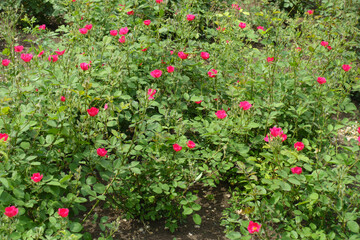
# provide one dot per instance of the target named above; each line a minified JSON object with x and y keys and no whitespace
{"x":197,"y":219}
{"x":25,"y":145}
{"x":5,"y":182}
{"x":187,"y":211}
{"x":112,"y":123}
{"x":294,"y":181}
{"x":75,"y":227}
{"x":353,"y":226}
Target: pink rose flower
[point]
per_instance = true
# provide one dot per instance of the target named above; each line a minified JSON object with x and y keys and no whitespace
{"x":310,"y":12}
{"x":182,"y":55}
{"x":88,"y":27}
{"x":83,"y":30}
{"x":60,"y":53}
{"x":253,"y":227}
{"x":359,"y":130}
{"x":346,"y":67}
{"x":122,"y":39}
{"x":151,"y":93}
{"x":324,"y":44}
{"x":198,"y":102}
{"x":18,"y":48}
{"x":170,"y":69}
{"x":53,"y":58}
{"x":42,"y":27}
{"x":26,"y":57}
{"x":190,"y":17}
{"x":177,"y":147}
{"x":101,"y":152}
{"x":36,"y":177}
{"x":270,"y":59}
{"x":93,"y":111}
{"x":204,"y":55}
{"x":275,"y":132}
{"x":245,"y":105}
{"x":156,"y":73}
{"x":4,"y":136}
{"x":41,"y":53}
{"x":296,"y":170}
{"x":212,"y":73}
{"x":5,"y":62}
{"x":299,"y":146}
{"x":261,"y":28}
{"x":190,"y":144}
{"x":242,"y":25}
{"x":105,"y":106}
{"x":123,"y":31}
{"x":63,"y":212}
{"x":321,"y":80}
{"x":11,"y":211}
{"x":113,"y":32}
{"x":62,"y":98}
{"x":147,"y":22}
{"x":84,"y":66}
{"x":221,"y":114}
{"x":159,"y":1}
{"x":130,"y":13}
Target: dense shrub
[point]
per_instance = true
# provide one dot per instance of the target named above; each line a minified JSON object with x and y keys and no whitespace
{"x":109,"y":108}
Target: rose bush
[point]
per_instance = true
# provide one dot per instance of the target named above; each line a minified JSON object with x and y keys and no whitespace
{"x":137,"y":122}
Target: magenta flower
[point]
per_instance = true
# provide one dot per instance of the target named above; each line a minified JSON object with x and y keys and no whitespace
{"x":253,"y":227}
{"x":221,"y":114}
{"x":242,"y":25}
{"x":26,"y":57}
{"x":170,"y":69}
{"x":123,"y":31}
{"x":346,"y":67}
{"x":190,"y":17}
{"x":212,"y":73}
{"x":321,"y":80}
{"x":177,"y":147}
{"x":204,"y":55}
{"x":299,"y":146}
{"x":151,"y":93}
{"x":113,"y":32}
{"x":156,"y":73}
{"x":36,"y":177}
{"x":245,"y":105}
{"x":296,"y":170}
{"x":5,"y":62}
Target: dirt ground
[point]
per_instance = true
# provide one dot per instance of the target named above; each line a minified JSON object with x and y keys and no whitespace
{"x":212,"y":200}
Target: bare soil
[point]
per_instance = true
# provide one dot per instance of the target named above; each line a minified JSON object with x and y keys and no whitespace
{"x":212,"y":200}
